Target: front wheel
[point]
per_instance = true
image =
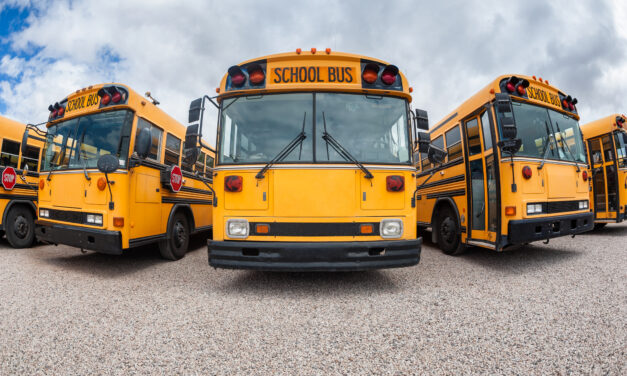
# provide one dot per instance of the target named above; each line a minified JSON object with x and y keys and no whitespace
{"x":175,"y":245}
{"x":449,"y":234}
{"x":20,"y":227}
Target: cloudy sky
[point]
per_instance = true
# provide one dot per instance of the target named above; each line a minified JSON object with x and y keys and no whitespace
{"x":179,"y":50}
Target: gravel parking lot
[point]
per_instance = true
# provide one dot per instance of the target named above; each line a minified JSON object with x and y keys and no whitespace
{"x":541,"y":309}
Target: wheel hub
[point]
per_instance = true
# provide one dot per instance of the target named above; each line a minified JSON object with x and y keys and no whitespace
{"x":21,"y":227}
{"x":180,"y":234}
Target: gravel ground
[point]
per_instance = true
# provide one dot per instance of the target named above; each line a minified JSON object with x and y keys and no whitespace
{"x":541,"y":309}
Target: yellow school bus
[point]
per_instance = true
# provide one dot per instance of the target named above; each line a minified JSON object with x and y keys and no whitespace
{"x":515,"y":170}
{"x":606,"y":140}
{"x":18,"y":183}
{"x":314,"y":169}
{"x":112,"y":176}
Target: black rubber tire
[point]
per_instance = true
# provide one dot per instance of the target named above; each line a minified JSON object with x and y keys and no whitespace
{"x":175,"y":246}
{"x":20,"y":227}
{"x":449,"y":234}
{"x":598,"y":226}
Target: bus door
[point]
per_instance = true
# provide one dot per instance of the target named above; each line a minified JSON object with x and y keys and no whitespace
{"x":482,"y":202}
{"x":604,"y":177}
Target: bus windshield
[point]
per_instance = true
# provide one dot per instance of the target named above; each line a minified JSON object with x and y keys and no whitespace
{"x":549,"y":133}
{"x":78,"y":143}
{"x":373,"y":129}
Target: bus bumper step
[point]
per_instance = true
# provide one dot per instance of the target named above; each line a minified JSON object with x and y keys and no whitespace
{"x":313,"y":256}
{"x":102,"y":241}
{"x":529,"y":230}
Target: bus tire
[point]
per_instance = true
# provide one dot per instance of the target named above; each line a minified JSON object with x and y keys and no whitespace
{"x":174,"y":247}
{"x":449,"y":234}
{"x":20,"y":227}
{"x":598,"y":226}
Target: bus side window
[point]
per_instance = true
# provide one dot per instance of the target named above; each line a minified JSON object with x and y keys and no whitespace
{"x":474,"y":141}
{"x":10,"y":153}
{"x":608,"y":148}
{"x":454,"y":143}
{"x":200,"y":163}
{"x":439,"y":142}
{"x":487,"y":135}
{"x":31,"y":158}
{"x":172,"y":150}
{"x":157,"y":135}
{"x":209,"y":164}
{"x":424,"y":161}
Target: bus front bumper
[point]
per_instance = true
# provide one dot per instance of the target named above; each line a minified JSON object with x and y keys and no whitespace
{"x":317,"y":256}
{"x":529,"y":230}
{"x":101,"y":241}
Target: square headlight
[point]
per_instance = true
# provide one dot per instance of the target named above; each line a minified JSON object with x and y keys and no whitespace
{"x":391,"y":228}
{"x":44,"y":213}
{"x":237,"y":228}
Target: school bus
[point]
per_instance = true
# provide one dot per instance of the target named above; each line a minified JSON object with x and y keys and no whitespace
{"x":18,"y":183}
{"x":314,"y":166}
{"x":112,"y":177}
{"x":606,"y":140}
{"x":515,"y":171}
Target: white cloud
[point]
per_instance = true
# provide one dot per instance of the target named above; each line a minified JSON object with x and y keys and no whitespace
{"x":180,"y":50}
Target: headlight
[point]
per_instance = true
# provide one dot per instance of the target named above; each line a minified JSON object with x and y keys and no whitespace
{"x":237,"y":228}
{"x":391,"y":228}
{"x":534,"y":208}
{"x":94,"y":219}
{"x":583,"y":204}
{"x":44,"y":213}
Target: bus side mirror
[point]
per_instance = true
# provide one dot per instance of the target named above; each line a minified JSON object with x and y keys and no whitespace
{"x":503,"y":103}
{"x":436,"y":155}
{"x":191,"y":144}
{"x":194,"y":110}
{"x":422,"y":120}
{"x":108,"y":163}
{"x":143,"y":143}
{"x":24,"y":145}
{"x":424,"y":139}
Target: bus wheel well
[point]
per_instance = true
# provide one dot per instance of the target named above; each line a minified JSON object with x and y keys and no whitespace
{"x":17,"y":203}
{"x":441,"y":204}
{"x":187,"y":211}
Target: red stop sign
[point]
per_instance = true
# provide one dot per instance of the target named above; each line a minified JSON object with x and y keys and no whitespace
{"x":8,"y":178}
{"x":176,"y":178}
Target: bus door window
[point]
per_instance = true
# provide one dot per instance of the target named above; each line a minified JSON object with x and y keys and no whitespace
{"x":172,"y":150}
{"x":454,"y":143}
{"x":490,"y":171}
{"x":10,"y":153}
{"x":620,"y":139}
{"x":598,"y":175}
{"x":31,"y":158}
{"x":474,"y":140}
{"x":610,"y":172}
{"x":487,"y":134}
{"x":478,"y":197}
{"x":157,"y":135}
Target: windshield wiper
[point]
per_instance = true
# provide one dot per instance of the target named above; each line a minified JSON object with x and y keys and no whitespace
{"x":563,"y":139}
{"x":341,"y":150}
{"x":546,"y":146}
{"x":286,"y":150}
{"x":85,"y":170}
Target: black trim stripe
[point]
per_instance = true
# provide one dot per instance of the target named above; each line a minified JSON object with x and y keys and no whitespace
{"x":196,"y":190}
{"x":145,"y":240}
{"x":182,"y":200}
{"x":455,"y":162}
{"x":17,"y":197}
{"x":70,"y":216}
{"x":20,"y":172}
{"x":459,"y":192}
{"x":450,"y":180}
{"x":27,"y":186}
{"x":162,"y":167}
{"x":313,"y":229}
{"x":443,"y":123}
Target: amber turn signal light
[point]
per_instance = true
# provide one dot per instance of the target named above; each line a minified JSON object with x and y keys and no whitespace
{"x":102,"y":184}
{"x":262,"y":229}
{"x":510,"y":210}
{"x":42,"y":183}
{"x":366,"y":229}
{"x":118,"y":221}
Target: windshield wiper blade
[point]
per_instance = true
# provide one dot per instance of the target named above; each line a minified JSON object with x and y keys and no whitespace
{"x":285,"y":151}
{"x":546,"y":146}
{"x":341,"y":150}
{"x":563,"y":139}
{"x":85,"y":170}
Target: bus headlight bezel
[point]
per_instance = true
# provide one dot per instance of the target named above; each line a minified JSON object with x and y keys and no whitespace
{"x":44,"y":213}
{"x":237,"y":228}
{"x":583,"y":204}
{"x":94,"y":219}
{"x":391,"y":228}
{"x":534,"y":209}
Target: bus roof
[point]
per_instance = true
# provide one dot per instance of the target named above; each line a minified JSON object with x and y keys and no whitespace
{"x":604,"y":125}
{"x":314,"y":71}
{"x":11,"y":128}
{"x":539,"y":92}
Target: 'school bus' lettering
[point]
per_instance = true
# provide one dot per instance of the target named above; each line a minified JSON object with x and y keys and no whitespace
{"x":82,"y":102}
{"x":295,"y":75}
{"x":541,"y":95}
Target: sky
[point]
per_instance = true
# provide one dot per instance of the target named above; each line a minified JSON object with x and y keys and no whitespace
{"x":179,"y":50}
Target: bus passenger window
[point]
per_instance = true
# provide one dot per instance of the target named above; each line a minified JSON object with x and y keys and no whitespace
{"x":31,"y":158}
{"x":10,"y":153}
{"x":454,"y":143}
{"x":200,"y":163}
{"x":424,"y":161}
{"x":487,"y":134}
{"x":209,"y":166}
{"x":474,"y":141}
{"x":157,"y":134}
{"x":172,"y":150}
{"x":439,"y":142}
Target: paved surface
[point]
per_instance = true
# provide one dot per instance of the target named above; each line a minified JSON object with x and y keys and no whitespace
{"x":543,"y":309}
